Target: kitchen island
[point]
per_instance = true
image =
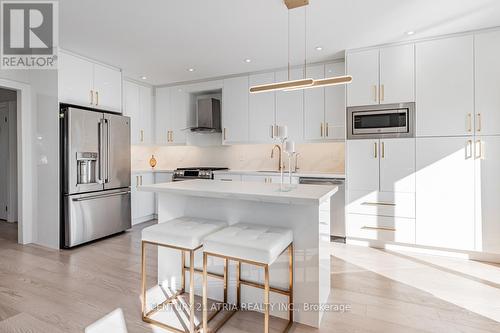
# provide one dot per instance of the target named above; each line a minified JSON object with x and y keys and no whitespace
{"x":304,"y":208}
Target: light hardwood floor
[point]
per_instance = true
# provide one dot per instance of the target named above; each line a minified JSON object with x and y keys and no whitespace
{"x":52,"y":291}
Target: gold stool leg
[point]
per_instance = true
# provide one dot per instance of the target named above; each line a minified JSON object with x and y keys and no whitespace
{"x":266,"y":299}
{"x":291,"y":268}
{"x":238,"y":284}
{"x":143,"y":277}
{"x":183,"y":277}
{"x":226,"y":277}
{"x":191,"y":291}
{"x":205,"y":296}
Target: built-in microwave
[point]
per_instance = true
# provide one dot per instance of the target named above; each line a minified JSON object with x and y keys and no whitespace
{"x":381,"y":121}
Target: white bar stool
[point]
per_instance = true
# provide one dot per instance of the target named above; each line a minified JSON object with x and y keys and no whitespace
{"x":255,"y":245}
{"x":185,"y":234}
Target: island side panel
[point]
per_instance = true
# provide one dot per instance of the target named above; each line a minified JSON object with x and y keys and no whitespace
{"x":311,"y":276}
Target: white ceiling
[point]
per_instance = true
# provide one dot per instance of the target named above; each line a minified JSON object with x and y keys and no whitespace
{"x":162,"y":38}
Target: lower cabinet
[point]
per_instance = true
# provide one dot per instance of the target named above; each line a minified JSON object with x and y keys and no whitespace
{"x":143,"y":203}
{"x":269,"y":179}
{"x":383,"y":228}
{"x":227,"y":177}
{"x":161,"y":177}
{"x":445,"y":192}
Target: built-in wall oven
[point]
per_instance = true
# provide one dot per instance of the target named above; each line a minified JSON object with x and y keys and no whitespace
{"x":381,"y":121}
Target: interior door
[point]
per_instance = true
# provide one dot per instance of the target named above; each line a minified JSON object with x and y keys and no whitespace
{"x":118,"y":151}
{"x":4,"y":160}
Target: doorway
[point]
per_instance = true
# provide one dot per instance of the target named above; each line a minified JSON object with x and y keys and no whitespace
{"x":8,"y":160}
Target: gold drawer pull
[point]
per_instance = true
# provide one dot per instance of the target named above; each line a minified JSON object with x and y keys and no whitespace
{"x":365,"y":227}
{"x":327,"y":131}
{"x":378,"y":204}
{"x":321,"y":129}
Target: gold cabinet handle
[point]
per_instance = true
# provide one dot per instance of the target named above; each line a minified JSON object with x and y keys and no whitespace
{"x":141,"y":180}
{"x":321,"y":129}
{"x":365,"y":227}
{"x":375,"y":150}
{"x":225,"y":136}
{"x":383,"y":149}
{"x":171,"y":136}
{"x":375,"y":93}
{"x":479,"y":125}
{"x":382,"y":93}
{"x":142,"y":135}
{"x":271,"y":132}
{"x":96,"y":98}
{"x":468,"y":149}
{"x":91,"y":97}
{"x":479,"y":144}
{"x":136,"y":181}
{"x":469,"y":122}
{"x":378,"y":203}
{"x":327,"y":130}
{"x":168,"y":136}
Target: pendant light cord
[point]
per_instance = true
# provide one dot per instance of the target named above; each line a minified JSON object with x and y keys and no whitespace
{"x":305,"y":41}
{"x":288,"y":45}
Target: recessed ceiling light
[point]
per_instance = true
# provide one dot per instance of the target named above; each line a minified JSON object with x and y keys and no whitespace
{"x":411,"y":32}
{"x":319,"y":48}
{"x":247,"y":60}
{"x":190,"y":69}
{"x":144,"y":77}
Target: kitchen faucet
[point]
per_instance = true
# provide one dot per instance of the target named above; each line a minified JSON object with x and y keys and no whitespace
{"x":280,"y":163}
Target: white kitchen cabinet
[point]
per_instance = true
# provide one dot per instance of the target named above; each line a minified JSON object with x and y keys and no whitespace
{"x":487,"y":82}
{"x":314,"y":103}
{"x":363,"y":66}
{"x":335,"y":111}
{"x":397,"y":165}
{"x":235,"y":110}
{"x":363,"y":165}
{"x":383,"y":228}
{"x":108,"y":87}
{"x":261,"y":113}
{"x":381,"y":76}
{"x":275,"y":179}
{"x":76,"y":80}
{"x":445,"y":87}
{"x":162,"y":116}
{"x":137,"y":105}
{"x":179,"y":110}
{"x":87,"y":83}
{"x":290,"y":106}
{"x":487,"y":194}
{"x":143,"y":203}
{"x":445,"y":192}
{"x":397,"y":74}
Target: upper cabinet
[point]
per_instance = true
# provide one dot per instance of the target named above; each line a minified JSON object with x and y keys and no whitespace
{"x":381,"y":76}
{"x":445,"y":87}
{"x":138,"y":106}
{"x":261,"y":112}
{"x":171,"y":115}
{"x":487,"y":81}
{"x":86,"y":83}
{"x":290,"y":105}
{"x":324,"y":113}
{"x":235,"y":110}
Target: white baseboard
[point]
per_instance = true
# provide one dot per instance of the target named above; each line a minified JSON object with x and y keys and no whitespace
{"x":468,"y":255}
{"x":144,"y":219}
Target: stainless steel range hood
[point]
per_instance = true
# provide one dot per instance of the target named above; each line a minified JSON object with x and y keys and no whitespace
{"x":208,"y":116}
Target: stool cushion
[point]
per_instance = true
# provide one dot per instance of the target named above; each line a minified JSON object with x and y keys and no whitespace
{"x":251,"y":242}
{"x":185,"y":232}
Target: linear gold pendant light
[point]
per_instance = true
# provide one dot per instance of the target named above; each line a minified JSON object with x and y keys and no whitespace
{"x":305,"y":83}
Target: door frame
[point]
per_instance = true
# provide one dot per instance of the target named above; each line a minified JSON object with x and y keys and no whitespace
{"x":25,"y":172}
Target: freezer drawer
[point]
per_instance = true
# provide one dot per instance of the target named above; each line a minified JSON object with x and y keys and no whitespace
{"x":96,"y":215}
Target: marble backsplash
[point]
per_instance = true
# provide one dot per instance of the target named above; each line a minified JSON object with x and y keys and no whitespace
{"x":314,"y":157}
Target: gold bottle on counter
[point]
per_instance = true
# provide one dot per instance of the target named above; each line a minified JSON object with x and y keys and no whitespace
{"x":152,"y":161}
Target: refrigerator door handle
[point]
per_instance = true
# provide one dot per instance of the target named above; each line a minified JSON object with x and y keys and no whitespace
{"x":107,"y":149}
{"x":101,"y":178}
{"x":101,"y":196}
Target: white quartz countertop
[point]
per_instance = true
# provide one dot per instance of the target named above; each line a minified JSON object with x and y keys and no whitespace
{"x":264,"y":192}
{"x":276,"y":173}
{"x":135,"y":171}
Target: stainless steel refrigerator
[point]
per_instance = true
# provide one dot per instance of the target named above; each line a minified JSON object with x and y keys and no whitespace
{"x":95,"y":155}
